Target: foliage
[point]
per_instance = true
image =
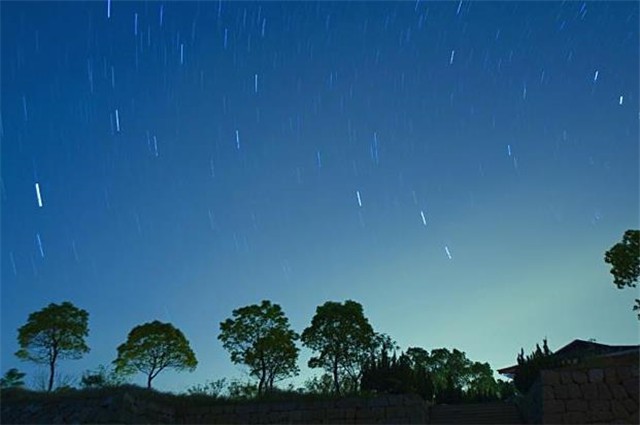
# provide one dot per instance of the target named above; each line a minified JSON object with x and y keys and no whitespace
{"x":481,"y":384}
{"x":209,"y":388}
{"x":260,"y":337}
{"x":624,"y":258}
{"x":242,"y":390}
{"x":443,"y":376}
{"x":450,"y":372}
{"x":529,"y":366}
{"x":343,"y":339}
{"x":12,"y":378}
{"x":103,"y":376}
{"x":322,"y":385}
{"x":152,"y":347}
{"x":56,"y":332}
{"x":397,"y":375}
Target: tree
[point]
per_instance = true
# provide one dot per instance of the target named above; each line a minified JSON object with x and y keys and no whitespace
{"x":343,"y":339}
{"x":56,"y":332}
{"x":624,"y":258}
{"x":481,"y":385}
{"x":529,"y":366}
{"x":12,"y":379}
{"x":153,"y":347}
{"x":451,"y":373}
{"x":259,"y":336}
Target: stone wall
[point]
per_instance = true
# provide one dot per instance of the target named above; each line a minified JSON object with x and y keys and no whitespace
{"x":600,"y":391}
{"x":117,"y":408}
{"x":129,"y":409}
{"x":392,"y":409}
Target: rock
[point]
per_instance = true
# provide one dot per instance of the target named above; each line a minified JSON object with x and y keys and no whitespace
{"x":618,"y":409}
{"x":548,"y":393}
{"x":624,"y":372}
{"x":579,"y":377}
{"x":575,"y":417}
{"x":576,"y":405}
{"x":553,"y":406}
{"x":550,"y":377}
{"x":574,"y":391}
{"x":618,"y":391}
{"x":631,"y":385}
{"x":631,"y":405}
{"x":589,"y":391}
{"x":561,"y":392}
{"x":599,"y":405}
{"x":603,"y":391}
{"x":552,"y":418}
{"x":610,"y":376}
{"x":596,"y":375}
{"x":565,"y":377}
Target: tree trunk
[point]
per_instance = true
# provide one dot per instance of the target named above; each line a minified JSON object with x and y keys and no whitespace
{"x":52,"y":371}
{"x":336,"y":384}
{"x":149,"y":378}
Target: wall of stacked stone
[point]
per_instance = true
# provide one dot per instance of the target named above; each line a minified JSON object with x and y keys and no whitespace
{"x":117,"y":408}
{"x":128,"y":409}
{"x":393,"y":409}
{"x":606,"y":391}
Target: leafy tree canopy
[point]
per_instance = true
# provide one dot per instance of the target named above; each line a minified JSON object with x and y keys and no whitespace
{"x":259,"y":336}
{"x":624,"y":258}
{"x":56,"y":332}
{"x":529,"y":366}
{"x":12,"y":378}
{"x":153,"y":347}
{"x":342,"y":338}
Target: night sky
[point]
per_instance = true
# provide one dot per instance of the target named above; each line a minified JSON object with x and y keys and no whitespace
{"x":459,"y":168}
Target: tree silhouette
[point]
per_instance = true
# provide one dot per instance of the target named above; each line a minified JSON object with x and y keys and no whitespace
{"x":12,"y":379}
{"x":624,"y":258}
{"x":153,"y":347}
{"x":259,"y":336}
{"x":56,"y":332}
{"x":529,"y":366}
{"x":342,"y":337}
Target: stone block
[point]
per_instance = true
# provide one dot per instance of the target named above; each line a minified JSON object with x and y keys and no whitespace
{"x":548,"y":393}
{"x":618,"y":391}
{"x":565,"y":377}
{"x":610,"y":376}
{"x":395,"y":411}
{"x":554,"y":406}
{"x":561,"y":392}
{"x":630,"y":404}
{"x":574,"y":391}
{"x":599,"y":416}
{"x":575,"y":417}
{"x":552,"y":418}
{"x":379,"y":402}
{"x":632,"y":386}
{"x":550,"y":377}
{"x":579,"y":377}
{"x":604,"y":392}
{"x":576,"y":405}
{"x":599,"y":405}
{"x":618,"y":409}
{"x":349,"y":414}
{"x":589,"y":391}
{"x":624,"y":372}
{"x":596,"y":375}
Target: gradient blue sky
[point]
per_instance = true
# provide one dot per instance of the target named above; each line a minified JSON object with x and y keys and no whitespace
{"x":211,"y":156}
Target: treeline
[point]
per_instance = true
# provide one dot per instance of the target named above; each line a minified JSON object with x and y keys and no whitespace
{"x":353,"y":357}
